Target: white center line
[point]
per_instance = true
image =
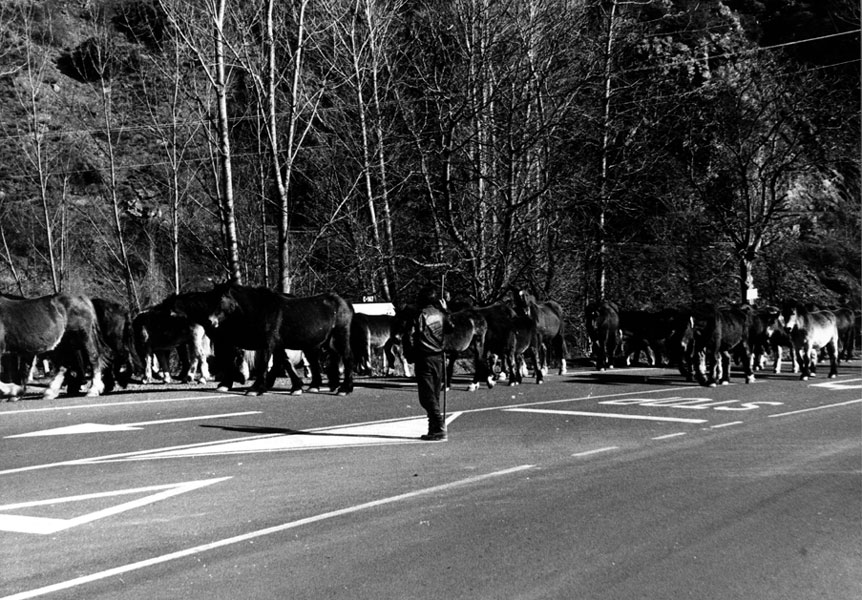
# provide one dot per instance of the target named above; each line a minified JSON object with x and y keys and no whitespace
{"x":578,"y":413}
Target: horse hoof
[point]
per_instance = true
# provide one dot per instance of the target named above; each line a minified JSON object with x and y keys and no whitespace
{"x":222,"y":388}
{"x":314,"y":390}
{"x":472,"y":387}
{"x":712,"y":385}
{"x":725,"y":383}
{"x":803,"y":378}
{"x":833,"y":375}
{"x":749,"y":379}
{"x":48,"y":395}
{"x":296,"y":392}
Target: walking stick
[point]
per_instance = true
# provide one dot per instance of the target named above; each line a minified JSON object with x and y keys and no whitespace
{"x":445,"y":364}
{"x":445,"y":385}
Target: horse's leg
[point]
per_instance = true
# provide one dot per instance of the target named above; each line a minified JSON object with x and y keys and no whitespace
{"x":202,"y":350}
{"x":295,"y":379}
{"x":449,"y":359}
{"x":537,"y":362}
{"x":725,"y":368}
{"x":388,"y":359}
{"x":832,"y":349}
{"x":225,"y":356}
{"x":560,"y":343}
{"x":149,"y":358}
{"x":56,"y":383}
{"x":340,"y":344}
{"x":314,"y":356}
{"x":397,"y":349}
{"x":280,"y":361}
{"x":264,"y":359}
{"x":748,"y":359}
{"x":776,"y":351}
{"x":480,"y":369}
{"x":184,"y":355}
{"x":14,"y":390}
{"x":803,"y":358}
{"x":513,"y":358}
{"x":31,"y":373}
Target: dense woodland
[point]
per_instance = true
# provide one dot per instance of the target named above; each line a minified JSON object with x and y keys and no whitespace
{"x":652,"y":152}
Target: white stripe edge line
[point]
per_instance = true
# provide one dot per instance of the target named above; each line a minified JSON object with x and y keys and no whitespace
{"x":596,"y":451}
{"x":669,"y":435}
{"x":720,"y":425}
{"x":578,"y":413}
{"x":805,"y":410}
{"x":71,"y":583}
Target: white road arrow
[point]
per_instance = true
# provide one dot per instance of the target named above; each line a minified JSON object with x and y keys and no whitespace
{"x":47,"y":525}
{"x":103,"y":428}
{"x":400,"y":431}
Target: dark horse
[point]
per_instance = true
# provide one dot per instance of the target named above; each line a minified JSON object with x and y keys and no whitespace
{"x":261,"y":319}
{"x":603,"y":326}
{"x":550,"y":330}
{"x":508,"y":336}
{"x":714,"y":334}
{"x":61,"y":324}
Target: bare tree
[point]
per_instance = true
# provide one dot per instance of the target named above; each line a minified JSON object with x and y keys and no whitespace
{"x":37,"y":133}
{"x":185,"y":21}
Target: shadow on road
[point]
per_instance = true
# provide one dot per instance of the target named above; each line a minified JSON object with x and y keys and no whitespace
{"x":261,"y":430}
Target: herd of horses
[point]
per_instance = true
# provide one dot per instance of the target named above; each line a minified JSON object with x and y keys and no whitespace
{"x":703,"y":339}
{"x":237,"y":332}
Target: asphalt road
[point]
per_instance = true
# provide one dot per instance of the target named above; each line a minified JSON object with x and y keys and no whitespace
{"x":630,"y":484}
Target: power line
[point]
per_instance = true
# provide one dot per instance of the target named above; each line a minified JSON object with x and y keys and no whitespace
{"x":740,"y":53}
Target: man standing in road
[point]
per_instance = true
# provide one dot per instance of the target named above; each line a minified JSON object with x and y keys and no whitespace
{"x":426,"y":341}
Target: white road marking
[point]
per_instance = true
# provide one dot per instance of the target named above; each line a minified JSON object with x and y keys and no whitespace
{"x":721,"y":425}
{"x":578,"y":413}
{"x":596,"y":451}
{"x":67,"y":408}
{"x":805,"y":410}
{"x":47,"y":525}
{"x":840,"y":384}
{"x":103,"y":428}
{"x":72,"y":583}
{"x":669,"y":435}
{"x":393,"y":431}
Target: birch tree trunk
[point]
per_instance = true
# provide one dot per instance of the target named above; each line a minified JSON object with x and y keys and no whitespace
{"x":226,"y":174}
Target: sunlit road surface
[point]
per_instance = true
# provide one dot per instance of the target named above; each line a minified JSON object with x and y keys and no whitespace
{"x":618,"y":485}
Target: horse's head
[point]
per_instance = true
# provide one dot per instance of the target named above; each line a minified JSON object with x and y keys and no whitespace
{"x":770,"y":316}
{"x":524,"y":300}
{"x":226,"y":303}
{"x":791,"y":313}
